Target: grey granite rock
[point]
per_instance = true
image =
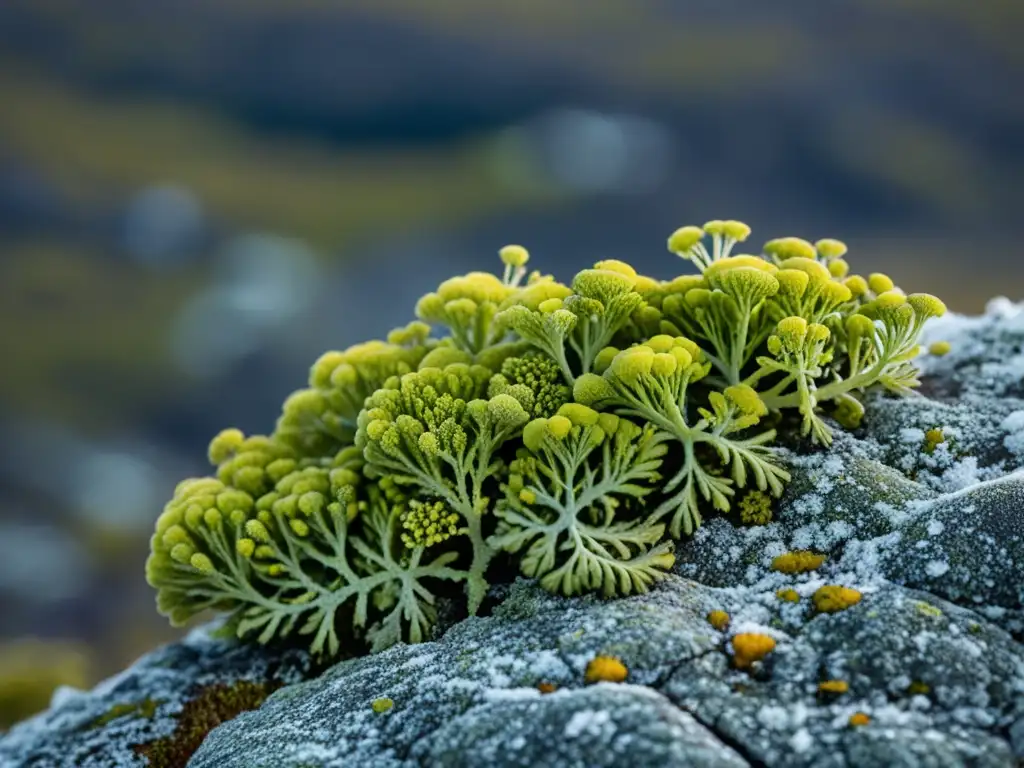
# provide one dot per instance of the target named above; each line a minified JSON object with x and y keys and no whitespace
{"x":834,"y":496}
{"x":969,"y":548}
{"x":606,"y":725}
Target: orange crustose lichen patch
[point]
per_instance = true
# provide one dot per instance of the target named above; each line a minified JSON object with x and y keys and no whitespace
{"x":750,"y":647}
{"x":833,"y":598}
{"x":719,"y":620}
{"x":833,"y":686}
{"x":605,"y":669}
{"x":798,"y":561}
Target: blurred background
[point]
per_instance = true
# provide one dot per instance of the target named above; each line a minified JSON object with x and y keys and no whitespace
{"x":197,"y":197}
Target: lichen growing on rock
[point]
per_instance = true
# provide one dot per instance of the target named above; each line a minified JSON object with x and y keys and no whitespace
{"x":205,"y":710}
{"x":833,"y":598}
{"x":579,"y":427}
{"x":799,"y":561}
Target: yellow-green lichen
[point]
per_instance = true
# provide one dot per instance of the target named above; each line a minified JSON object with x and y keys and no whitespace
{"x":797,"y":561}
{"x":927,"y":609}
{"x":545,"y":421}
{"x":933,"y":438}
{"x":145,"y":708}
{"x":833,"y":598}
{"x":756,"y":508}
{"x":788,"y":595}
{"x":918,"y":688}
{"x":382,"y":705}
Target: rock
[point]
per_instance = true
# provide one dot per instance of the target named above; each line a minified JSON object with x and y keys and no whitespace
{"x":967,"y":547}
{"x":986,"y":358}
{"x":581,"y":727}
{"x":973,"y":447}
{"x":1017,"y":738}
{"x":833,"y":497}
{"x":531,"y":638}
{"x":147,"y":715}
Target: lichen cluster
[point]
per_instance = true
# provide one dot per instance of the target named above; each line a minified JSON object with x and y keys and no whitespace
{"x":573,"y":429}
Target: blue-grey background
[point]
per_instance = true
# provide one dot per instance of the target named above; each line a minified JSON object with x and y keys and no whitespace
{"x":197,"y":197}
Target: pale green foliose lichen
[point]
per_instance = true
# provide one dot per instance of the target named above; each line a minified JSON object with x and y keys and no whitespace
{"x":579,"y":428}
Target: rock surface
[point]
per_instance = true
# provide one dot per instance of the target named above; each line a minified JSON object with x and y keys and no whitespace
{"x":921,"y":658}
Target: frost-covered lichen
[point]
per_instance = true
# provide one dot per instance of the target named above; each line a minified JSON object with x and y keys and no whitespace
{"x":579,"y":427}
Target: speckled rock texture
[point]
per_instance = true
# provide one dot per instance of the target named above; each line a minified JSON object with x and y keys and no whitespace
{"x":916,"y":658}
{"x":116,"y":723}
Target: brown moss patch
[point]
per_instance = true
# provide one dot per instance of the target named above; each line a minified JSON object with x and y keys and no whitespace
{"x":211,"y":706}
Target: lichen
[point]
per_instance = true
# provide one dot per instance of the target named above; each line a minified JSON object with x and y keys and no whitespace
{"x":756,"y":508}
{"x":750,"y":647}
{"x":208,"y":708}
{"x":719,"y":620}
{"x":833,"y":687}
{"x":932,"y":439}
{"x":797,"y":561}
{"x":579,"y":427}
{"x":605,"y":669}
{"x":382,"y":705}
{"x":833,"y":598}
{"x":859,"y":719}
{"x":145,"y":708}
{"x":788,"y":594}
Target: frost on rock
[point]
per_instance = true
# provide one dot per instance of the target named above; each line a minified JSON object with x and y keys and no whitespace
{"x":115,"y":724}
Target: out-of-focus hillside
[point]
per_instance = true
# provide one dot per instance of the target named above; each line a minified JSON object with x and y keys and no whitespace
{"x":198,"y":196}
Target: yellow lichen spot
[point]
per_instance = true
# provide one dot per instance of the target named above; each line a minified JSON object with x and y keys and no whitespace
{"x":797,"y":561}
{"x":918,"y":688}
{"x":858,"y":719}
{"x":927,"y":609}
{"x":382,"y":705}
{"x":833,"y":686}
{"x":789,"y":595}
{"x":545,"y":688}
{"x":932,"y":439}
{"x":719,"y":620}
{"x":527,"y":496}
{"x":833,"y":598}
{"x":939,"y":348}
{"x":605,"y":669}
{"x":750,"y":647}
{"x":514,"y":255}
